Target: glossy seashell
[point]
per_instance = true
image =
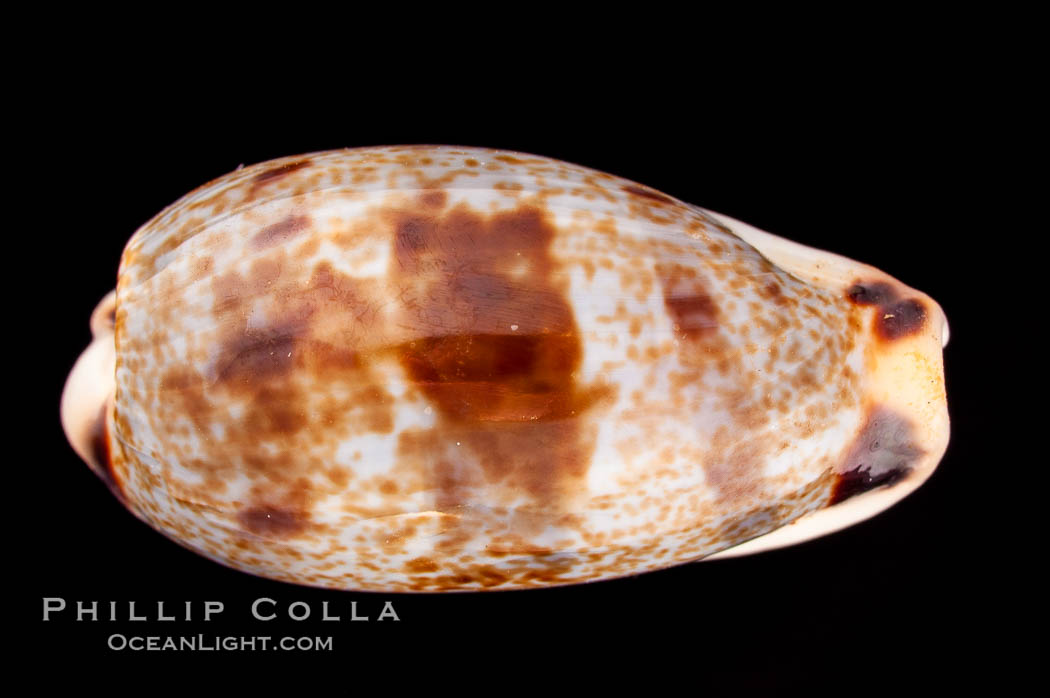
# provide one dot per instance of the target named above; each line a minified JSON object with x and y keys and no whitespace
{"x":429,"y":368}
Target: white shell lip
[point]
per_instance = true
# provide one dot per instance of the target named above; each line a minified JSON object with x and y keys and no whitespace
{"x":90,"y":386}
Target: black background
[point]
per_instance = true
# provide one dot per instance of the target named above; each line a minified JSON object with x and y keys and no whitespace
{"x":870,"y":158}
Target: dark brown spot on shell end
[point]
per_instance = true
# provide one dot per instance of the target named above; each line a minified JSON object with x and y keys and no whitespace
{"x":895,"y":317}
{"x":884,"y":453}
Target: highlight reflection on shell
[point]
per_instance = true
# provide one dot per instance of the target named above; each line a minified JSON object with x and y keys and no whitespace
{"x":434,"y":368}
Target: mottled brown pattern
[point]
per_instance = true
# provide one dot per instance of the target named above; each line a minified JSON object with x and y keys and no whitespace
{"x":497,"y":352}
{"x":496,"y":356}
{"x":426,"y":368}
{"x":262,"y":368}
